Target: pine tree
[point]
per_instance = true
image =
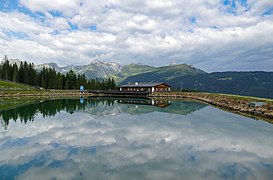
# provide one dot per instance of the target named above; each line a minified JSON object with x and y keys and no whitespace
{"x":26,"y":73}
{"x":113,"y":84}
{"x":108,"y":84}
{"x":59,"y":81}
{"x":72,"y":78}
{"x":43,"y":82}
{"x":1,"y":77}
{"x":6,"y":69}
{"x":15,"y":76}
{"x":21,"y":73}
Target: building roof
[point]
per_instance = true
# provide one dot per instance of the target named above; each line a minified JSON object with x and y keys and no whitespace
{"x":143,"y":85}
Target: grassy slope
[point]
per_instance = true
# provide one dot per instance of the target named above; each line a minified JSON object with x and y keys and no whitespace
{"x":8,"y":87}
{"x":11,"y":90}
{"x":238,"y":97}
{"x":133,"y":69}
{"x":164,"y":74}
{"x":12,"y":85}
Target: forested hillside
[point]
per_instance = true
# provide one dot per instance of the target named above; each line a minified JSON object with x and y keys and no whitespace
{"x":257,"y":83}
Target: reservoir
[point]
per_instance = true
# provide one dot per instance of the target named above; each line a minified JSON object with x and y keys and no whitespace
{"x":108,"y":138}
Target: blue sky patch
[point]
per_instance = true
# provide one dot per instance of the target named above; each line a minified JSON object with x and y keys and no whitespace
{"x":269,"y":11}
{"x":191,"y":30}
{"x":17,"y":35}
{"x":56,"y":32}
{"x":9,"y":5}
{"x":243,"y":2}
{"x":230,"y":6}
{"x":93,"y":27}
{"x":73,"y":26}
{"x":226,"y":2}
{"x":56,"y":14}
{"x":14,"y":5}
{"x":192,"y":20}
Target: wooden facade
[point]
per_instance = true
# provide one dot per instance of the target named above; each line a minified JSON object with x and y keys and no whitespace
{"x":145,"y":87}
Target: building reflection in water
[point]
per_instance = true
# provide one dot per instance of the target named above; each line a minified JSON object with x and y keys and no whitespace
{"x":151,"y":102}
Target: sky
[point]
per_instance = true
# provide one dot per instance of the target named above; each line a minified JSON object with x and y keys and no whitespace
{"x":213,"y":35}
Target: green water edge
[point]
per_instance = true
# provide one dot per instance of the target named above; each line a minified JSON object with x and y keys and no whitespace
{"x":8,"y":103}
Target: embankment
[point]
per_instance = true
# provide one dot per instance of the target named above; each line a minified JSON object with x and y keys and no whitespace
{"x":233,"y":103}
{"x":43,"y":93}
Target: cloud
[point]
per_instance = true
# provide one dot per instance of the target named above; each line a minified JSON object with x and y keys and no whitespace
{"x":19,"y":22}
{"x":67,"y":8}
{"x":212,"y":35}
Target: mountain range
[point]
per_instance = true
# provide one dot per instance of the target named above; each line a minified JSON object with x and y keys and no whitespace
{"x":252,"y":83}
{"x":102,"y":70}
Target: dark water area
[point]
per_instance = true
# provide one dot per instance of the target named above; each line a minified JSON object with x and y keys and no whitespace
{"x":107,"y":138}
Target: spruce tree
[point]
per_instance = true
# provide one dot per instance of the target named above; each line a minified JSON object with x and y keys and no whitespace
{"x":26,"y":73}
{"x":15,"y":76}
{"x":21,"y":73}
{"x":113,"y":84}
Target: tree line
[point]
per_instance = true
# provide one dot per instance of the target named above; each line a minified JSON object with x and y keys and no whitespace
{"x":49,"y":78}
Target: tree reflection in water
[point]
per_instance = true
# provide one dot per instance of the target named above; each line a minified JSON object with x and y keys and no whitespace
{"x":96,"y":107}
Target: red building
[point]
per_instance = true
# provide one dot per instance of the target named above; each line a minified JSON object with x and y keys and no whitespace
{"x":145,"y":87}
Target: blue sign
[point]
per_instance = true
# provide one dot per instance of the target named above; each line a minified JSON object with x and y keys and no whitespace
{"x":81,"y":100}
{"x":81,"y":88}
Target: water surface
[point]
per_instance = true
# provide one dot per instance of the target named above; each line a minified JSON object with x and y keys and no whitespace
{"x":132,"y":139}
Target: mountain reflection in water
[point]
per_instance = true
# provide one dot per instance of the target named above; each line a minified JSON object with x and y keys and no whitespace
{"x":97,"y":107}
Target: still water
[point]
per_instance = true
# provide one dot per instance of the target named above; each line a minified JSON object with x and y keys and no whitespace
{"x":132,"y":139}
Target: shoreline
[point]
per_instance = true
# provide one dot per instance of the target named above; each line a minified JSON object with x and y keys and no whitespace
{"x":42,"y":94}
{"x":233,"y":103}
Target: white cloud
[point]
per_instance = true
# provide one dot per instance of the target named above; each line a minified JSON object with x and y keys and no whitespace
{"x":202,"y":33}
{"x":66,"y":7}
{"x":57,"y":23}
{"x":91,"y":12}
{"x":19,"y":22}
{"x":259,"y":7}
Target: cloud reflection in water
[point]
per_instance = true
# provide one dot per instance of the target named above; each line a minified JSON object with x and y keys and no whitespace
{"x":142,"y":142}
